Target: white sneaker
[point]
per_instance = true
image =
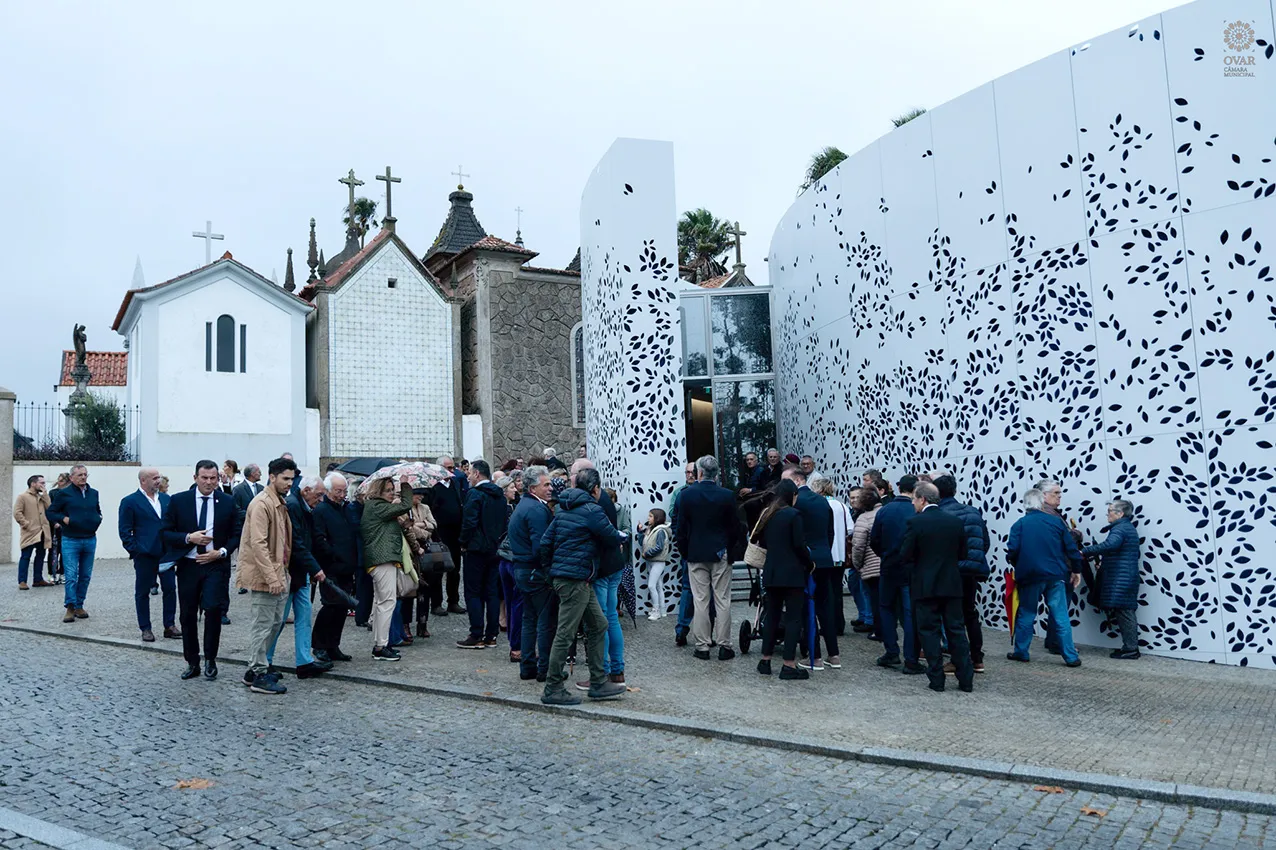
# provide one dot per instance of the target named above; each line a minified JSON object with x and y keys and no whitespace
{"x":653,"y":616}
{"x":806,"y":665}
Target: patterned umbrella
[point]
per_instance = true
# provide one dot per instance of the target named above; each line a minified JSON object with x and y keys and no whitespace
{"x":629,"y":592}
{"x":419,"y":475}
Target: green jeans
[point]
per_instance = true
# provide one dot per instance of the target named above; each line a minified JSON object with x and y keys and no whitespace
{"x":577,"y":601}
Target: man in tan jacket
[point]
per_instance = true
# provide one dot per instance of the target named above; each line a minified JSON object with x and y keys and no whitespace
{"x":37,"y":537}
{"x":263,"y":570}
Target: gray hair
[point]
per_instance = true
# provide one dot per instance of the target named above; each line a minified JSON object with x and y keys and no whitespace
{"x":820,"y":484}
{"x":251,"y":468}
{"x":707,"y":467}
{"x":503,"y":481}
{"x":1033,"y":500}
{"x":588,"y":480}
{"x":439,"y":460}
{"x":310,"y":482}
{"x":332,"y":478}
{"x":927,"y":492}
{"x":1124,"y":506}
{"x":78,"y":466}
{"x":1045,"y":485}
{"x":533,"y":474}
{"x":550,"y":452}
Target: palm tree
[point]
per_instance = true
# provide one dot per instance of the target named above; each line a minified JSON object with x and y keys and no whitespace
{"x":901,"y":120}
{"x":702,"y":240}
{"x":822,"y":163}
{"x":365,"y":217}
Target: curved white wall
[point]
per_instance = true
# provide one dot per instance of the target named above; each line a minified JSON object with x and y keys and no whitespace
{"x":1067,"y":273}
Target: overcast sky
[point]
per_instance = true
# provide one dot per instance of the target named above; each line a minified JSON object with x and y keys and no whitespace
{"x":127,"y":125}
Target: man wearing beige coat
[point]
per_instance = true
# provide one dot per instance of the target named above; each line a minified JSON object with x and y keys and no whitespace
{"x":28,"y":512}
{"x":264,"y":551}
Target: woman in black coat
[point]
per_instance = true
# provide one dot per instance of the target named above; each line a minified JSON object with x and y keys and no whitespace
{"x":1119,"y":576}
{"x":788,"y":563}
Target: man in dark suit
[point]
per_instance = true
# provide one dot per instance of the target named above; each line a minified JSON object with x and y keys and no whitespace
{"x":895,"y":597}
{"x":446,"y":502}
{"x":141,"y":524}
{"x":817,"y":521}
{"x":337,"y":547}
{"x":708,"y":529}
{"x":934,"y":545}
{"x":245,"y":491}
{"x":201,"y":528}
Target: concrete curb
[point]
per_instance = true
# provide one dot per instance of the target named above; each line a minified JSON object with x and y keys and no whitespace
{"x":1164,"y":792}
{"x":52,"y":834}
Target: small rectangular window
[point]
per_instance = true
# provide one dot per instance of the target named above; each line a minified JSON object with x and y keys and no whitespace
{"x":243,"y":348}
{"x":392,"y":282}
{"x":208,"y":346}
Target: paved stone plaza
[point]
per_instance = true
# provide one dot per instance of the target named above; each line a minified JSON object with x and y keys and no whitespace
{"x":105,"y":734}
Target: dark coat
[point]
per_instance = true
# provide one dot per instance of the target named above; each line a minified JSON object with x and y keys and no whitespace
{"x":336,"y":538}
{"x":817,"y":520}
{"x":1042,"y":548}
{"x":141,"y":530}
{"x":244,"y":493}
{"x":788,"y":560}
{"x":83,"y":509}
{"x":484,"y":519}
{"x":933,"y":546}
{"x":446,"y":503}
{"x":301,"y":557}
{"x":611,"y":559}
{"x":569,"y":548}
{"x":887,"y":535}
{"x":527,"y":527}
{"x":977,"y":541}
{"x":1119,"y":577}
{"x":705,"y":524}
{"x":181,"y":518}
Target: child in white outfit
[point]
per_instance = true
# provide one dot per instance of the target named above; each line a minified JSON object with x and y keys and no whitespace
{"x":656,"y":544}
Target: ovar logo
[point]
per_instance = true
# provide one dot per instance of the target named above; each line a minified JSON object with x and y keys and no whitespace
{"x":1238,"y":53}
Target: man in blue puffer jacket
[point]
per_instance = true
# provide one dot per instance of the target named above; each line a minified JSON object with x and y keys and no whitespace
{"x":1045,"y":557}
{"x":1119,"y":575}
{"x":974,"y":567}
{"x":569,"y":552}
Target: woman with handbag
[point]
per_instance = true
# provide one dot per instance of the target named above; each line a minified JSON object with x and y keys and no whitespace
{"x":788,"y":564}
{"x":383,"y":545}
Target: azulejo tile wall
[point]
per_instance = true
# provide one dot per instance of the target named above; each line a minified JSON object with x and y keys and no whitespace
{"x":1067,"y":273}
{"x":633,"y":352}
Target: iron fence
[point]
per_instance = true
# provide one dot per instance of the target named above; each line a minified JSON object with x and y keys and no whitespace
{"x":99,"y":430}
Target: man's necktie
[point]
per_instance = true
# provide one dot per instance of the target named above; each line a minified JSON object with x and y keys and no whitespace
{"x":203,"y":519}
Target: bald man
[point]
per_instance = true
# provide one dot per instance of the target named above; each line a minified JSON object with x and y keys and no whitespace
{"x":141,"y":523}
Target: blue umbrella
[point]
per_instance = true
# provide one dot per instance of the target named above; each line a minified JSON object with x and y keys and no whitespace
{"x":810,"y":618}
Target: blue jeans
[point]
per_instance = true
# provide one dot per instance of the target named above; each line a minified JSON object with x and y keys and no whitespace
{"x":298,"y":603}
{"x":686,"y":606}
{"x":483,"y":593}
{"x":25,"y":560}
{"x":895,"y":607}
{"x":397,"y":634}
{"x":77,"y":568}
{"x":608,"y":592}
{"x":540,"y":619}
{"x":863,"y":604}
{"x":145,"y":571}
{"x":513,"y":605}
{"x":1056,"y":593}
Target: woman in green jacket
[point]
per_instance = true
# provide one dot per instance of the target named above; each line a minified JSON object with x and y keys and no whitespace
{"x":383,"y":556}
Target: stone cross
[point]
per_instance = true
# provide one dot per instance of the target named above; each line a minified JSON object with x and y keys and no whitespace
{"x":208,"y":236}
{"x":737,"y":233}
{"x":460,"y":177}
{"x":351,"y":181}
{"x":388,"y":180}
{"x":519,"y":211}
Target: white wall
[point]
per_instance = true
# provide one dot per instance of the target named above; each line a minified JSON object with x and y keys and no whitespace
{"x":391,"y":383}
{"x":633,"y":350}
{"x":471,"y":436}
{"x":1062,"y":273}
{"x":192,"y":400}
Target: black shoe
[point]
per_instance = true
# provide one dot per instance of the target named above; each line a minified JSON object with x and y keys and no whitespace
{"x":242,"y":591}
{"x":1014,"y":656}
{"x":210,"y":670}
{"x":154,"y":591}
{"x":225,"y":620}
{"x":321,"y":656}
{"x":702,"y":654}
{"x":1076,"y":663}
{"x":264,"y":683}
{"x":607,"y":690}
{"x":386,"y":654}
{"x":912,"y":668}
{"x":559,"y":696}
{"x":861,"y":628}
{"x":249,"y":677}
{"x":888,"y":660}
{"x":439,"y":611}
{"x":526,"y":677}
{"x":967,"y":688}
{"x":680,"y":637}
{"x":875,"y":636}
{"x":1125,"y":654}
{"x":191,"y":671}
{"x":787,"y":672}
{"x":764,"y":666}
{"x":472,"y":642}
{"x":338,"y":655}
{"x":310,"y":671}
{"x":725,"y":653}
{"x":455,"y":608}
{"x":936,"y":687}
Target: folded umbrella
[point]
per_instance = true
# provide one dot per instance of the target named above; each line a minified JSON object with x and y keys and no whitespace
{"x":340,"y":592}
{"x":365,"y":466}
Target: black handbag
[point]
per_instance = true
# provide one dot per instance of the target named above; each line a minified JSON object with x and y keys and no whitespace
{"x":437,"y":559}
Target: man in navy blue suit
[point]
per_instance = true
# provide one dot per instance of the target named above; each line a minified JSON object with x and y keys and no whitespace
{"x":707,"y":529}
{"x":201,"y":528}
{"x":141,"y":532}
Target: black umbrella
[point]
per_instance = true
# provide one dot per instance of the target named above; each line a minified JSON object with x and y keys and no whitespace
{"x":340,"y":592}
{"x":365,"y":466}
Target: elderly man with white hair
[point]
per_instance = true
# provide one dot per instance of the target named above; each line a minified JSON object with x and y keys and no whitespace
{"x":302,"y":569}
{"x":336,"y":548}
{"x":1046,"y":559}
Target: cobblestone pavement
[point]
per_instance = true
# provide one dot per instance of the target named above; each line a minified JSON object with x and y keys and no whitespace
{"x":1154,"y":719}
{"x":13,"y":841}
{"x":105,"y":734}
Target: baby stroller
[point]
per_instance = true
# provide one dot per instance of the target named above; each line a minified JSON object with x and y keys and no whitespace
{"x":751,"y":630}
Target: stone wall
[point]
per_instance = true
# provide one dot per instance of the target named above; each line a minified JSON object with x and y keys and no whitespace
{"x":531,"y":381}
{"x":469,"y":359}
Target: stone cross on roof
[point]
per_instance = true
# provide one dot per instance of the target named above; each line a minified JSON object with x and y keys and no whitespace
{"x":388,"y":180}
{"x":351,"y":181}
{"x":737,"y":233}
{"x":208,"y":236}
{"x":460,"y":177}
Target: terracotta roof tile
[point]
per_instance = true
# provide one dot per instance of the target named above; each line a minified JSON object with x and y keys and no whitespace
{"x":714,"y":282}
{"x":107,"y":368}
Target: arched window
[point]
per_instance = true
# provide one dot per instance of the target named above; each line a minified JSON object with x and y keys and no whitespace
{"x":223,"y":343}
{"x":578,"y":375}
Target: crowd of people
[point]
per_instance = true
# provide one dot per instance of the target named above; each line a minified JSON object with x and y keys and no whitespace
{"x":537,"y":550}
